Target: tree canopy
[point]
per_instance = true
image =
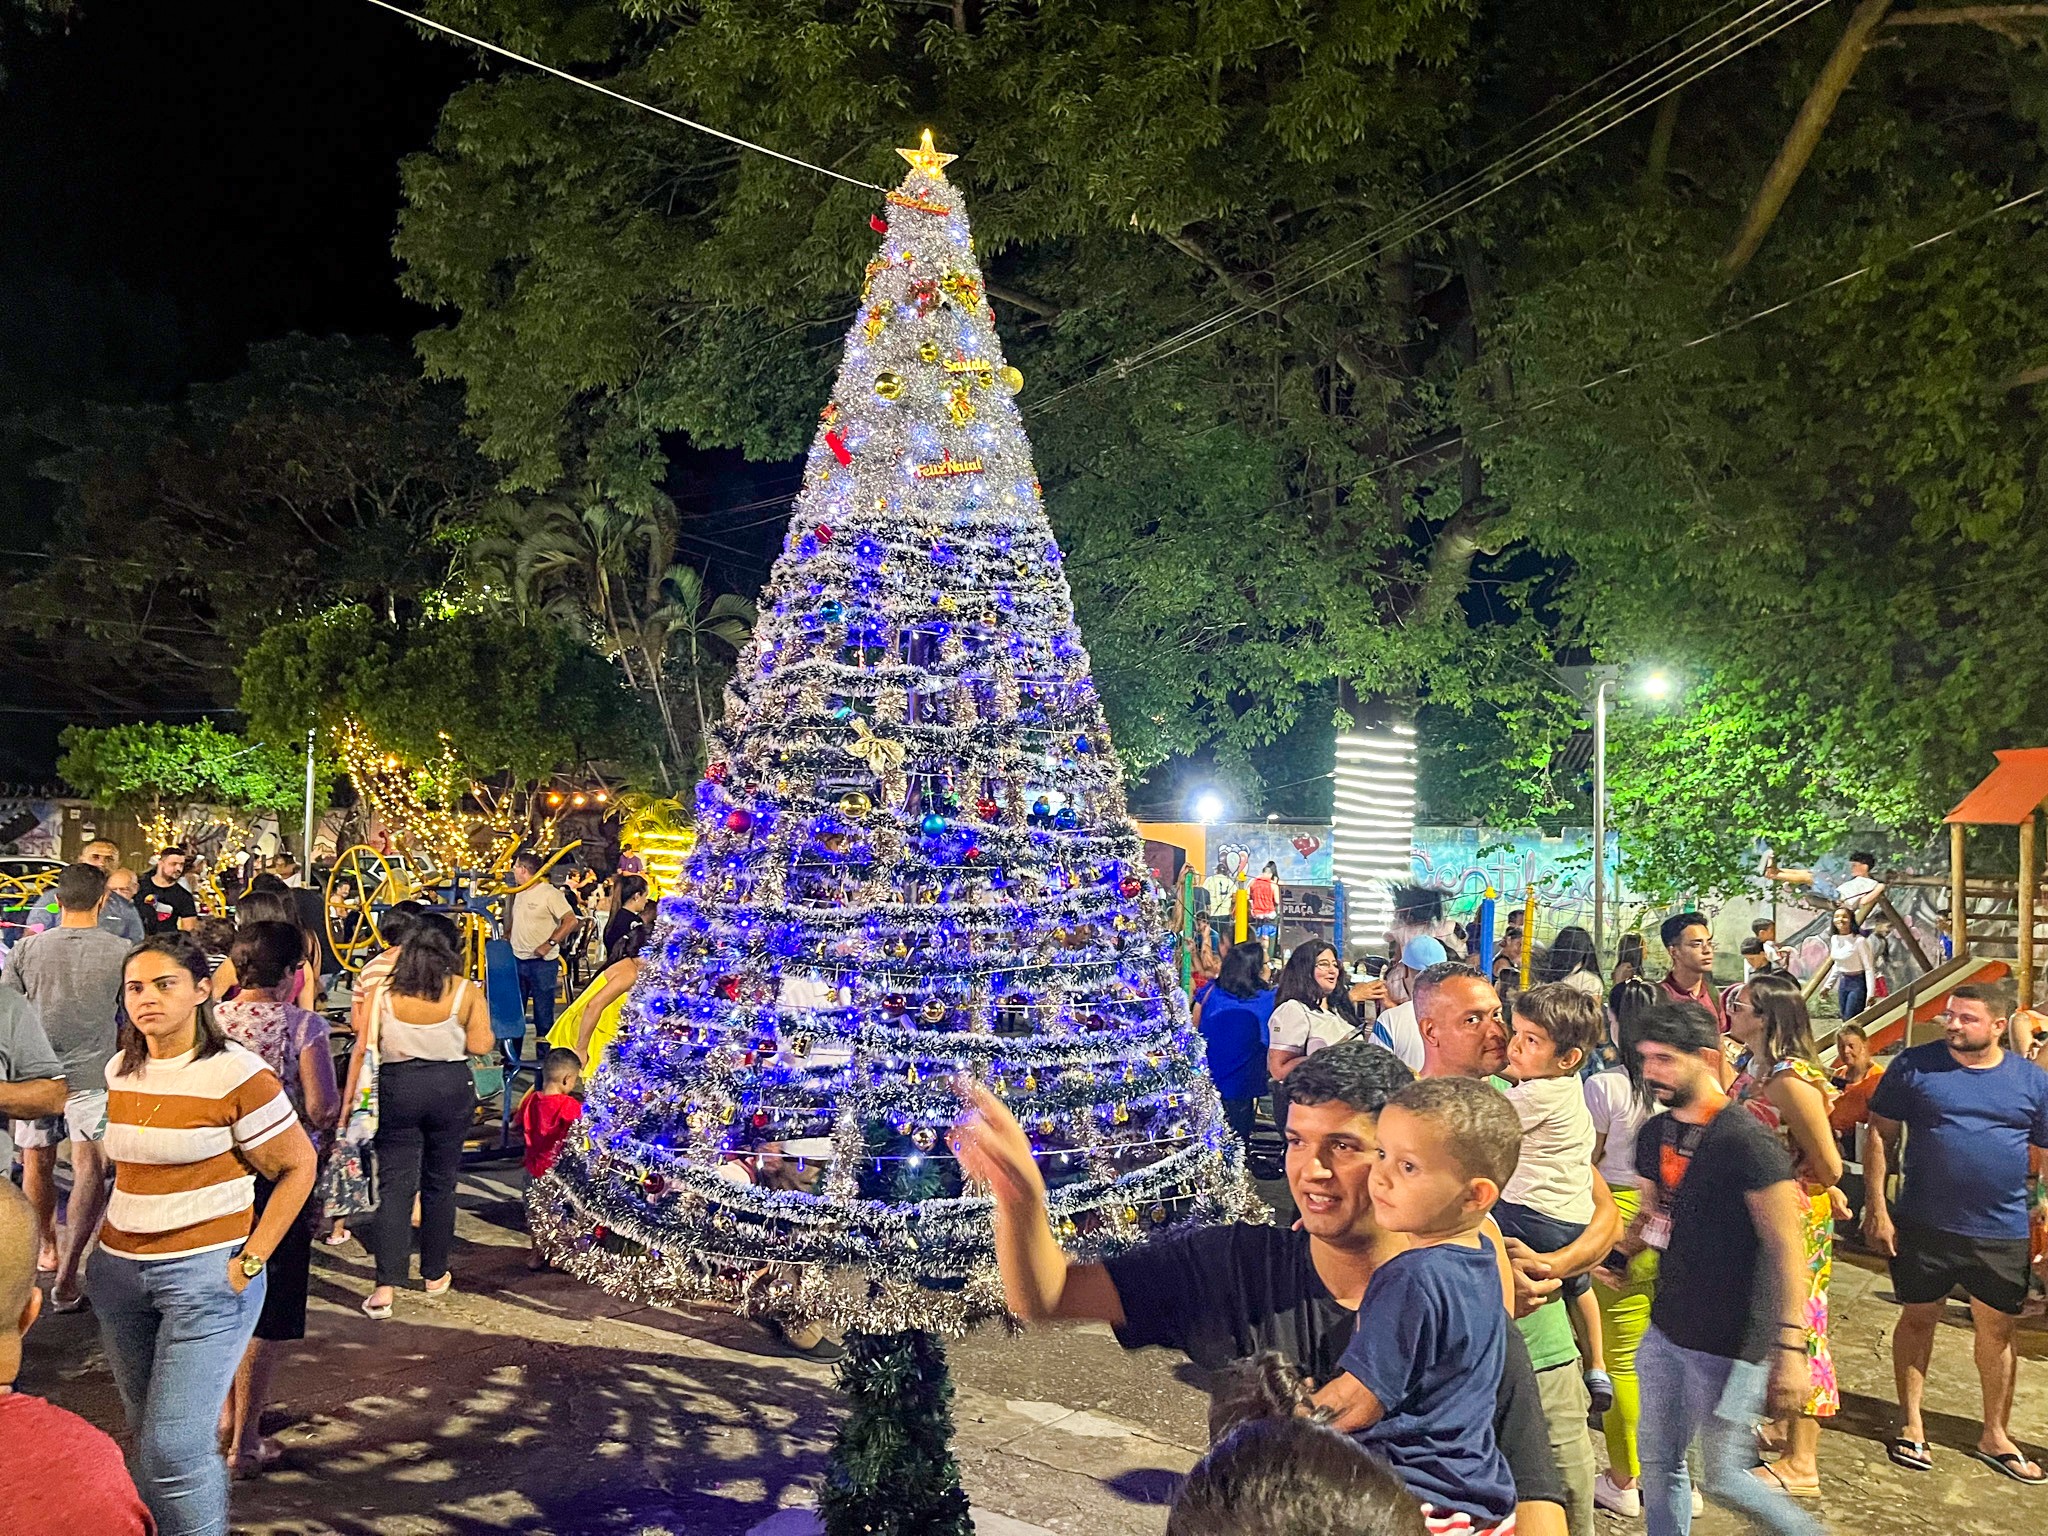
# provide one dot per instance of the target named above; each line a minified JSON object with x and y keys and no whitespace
{"x":1395,"y":477}
{"x":144,"y":765}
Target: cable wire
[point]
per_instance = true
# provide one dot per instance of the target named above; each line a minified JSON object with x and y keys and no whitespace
{"x":1700,"y":58}
{"x":605,"y":90}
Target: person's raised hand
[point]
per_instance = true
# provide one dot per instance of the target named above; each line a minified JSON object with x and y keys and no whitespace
{"x":1369,"y":992}
{"x":992,"y":1146}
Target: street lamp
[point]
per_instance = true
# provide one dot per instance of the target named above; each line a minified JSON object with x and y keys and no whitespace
{"x":1656,"y":685}
{"x":1207,"y":808}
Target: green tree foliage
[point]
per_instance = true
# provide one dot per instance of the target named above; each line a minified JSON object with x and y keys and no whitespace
{"x":611,"y":280}
{"x":144,"y":765}
{"x":892,"y":1471}
{"x":325,"y":472}
{"x":1402,"y":478}
{"x":509,"y":695}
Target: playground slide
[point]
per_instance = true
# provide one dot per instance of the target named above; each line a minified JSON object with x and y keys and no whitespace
{"x":1885,"y":1020}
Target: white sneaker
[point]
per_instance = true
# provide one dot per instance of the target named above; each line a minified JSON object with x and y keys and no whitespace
{"x":1626,"y":1502}
{"x":1699,"y":1505}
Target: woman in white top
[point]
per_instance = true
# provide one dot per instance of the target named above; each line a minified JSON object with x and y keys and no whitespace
{"x":428,"y":1021}
{"x":1303,"y":1020}
{"x":1571,"y":960}
{"x":1854,"y":959}
{"x":1620,"y":1106}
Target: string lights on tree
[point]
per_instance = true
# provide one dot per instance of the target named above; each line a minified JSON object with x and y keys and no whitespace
{"x":913,"y":864}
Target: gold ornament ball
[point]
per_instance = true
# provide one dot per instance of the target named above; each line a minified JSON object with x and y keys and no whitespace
{"x":1013,"y":379}
{"x":855,"y":804}
{"x":928,"y":352}
{"x":889,"y":385}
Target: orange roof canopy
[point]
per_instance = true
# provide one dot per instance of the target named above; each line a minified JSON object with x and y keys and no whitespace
{"x":2011,"y":792}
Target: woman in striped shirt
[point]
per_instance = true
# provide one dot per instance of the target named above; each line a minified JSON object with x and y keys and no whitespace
{"x":178,"y":1281}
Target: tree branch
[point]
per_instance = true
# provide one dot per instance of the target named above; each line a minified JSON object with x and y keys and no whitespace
{"x":2008,"y":21}
{"x":2029,"y":377}
{"x":1807,"y":128}
{"x":1357,"y":367}
{"x":1022,"y":301}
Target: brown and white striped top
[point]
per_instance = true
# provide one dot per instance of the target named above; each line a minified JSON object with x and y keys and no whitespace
{"x":176,"y":1132}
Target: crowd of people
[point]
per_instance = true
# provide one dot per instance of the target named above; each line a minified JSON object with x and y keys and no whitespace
{"x":1680,"y":1165}
{"x":1523,"y":1218}
{"x":184,"y":1057}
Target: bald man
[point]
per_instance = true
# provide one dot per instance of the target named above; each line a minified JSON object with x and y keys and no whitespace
{"x":58,"y":1475}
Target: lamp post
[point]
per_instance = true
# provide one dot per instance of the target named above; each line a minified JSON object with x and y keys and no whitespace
{"x":1609,"y":676}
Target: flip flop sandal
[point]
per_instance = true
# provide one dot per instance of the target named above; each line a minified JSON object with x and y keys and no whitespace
{"x":1910,"y":1454}
{"x":2010,"y":1463}
{"x":1772,"y":1476}
{"x":77,"y":1303}
{"x":375,"y":1314}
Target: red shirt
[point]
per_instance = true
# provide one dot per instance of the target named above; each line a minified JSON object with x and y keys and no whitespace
{"x":62,"y":1476}
{"x":1706,"y":997}
{"x":544,"y":1120}
{"x":1265,"y":897}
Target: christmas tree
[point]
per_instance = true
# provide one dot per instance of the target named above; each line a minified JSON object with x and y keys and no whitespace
{"x":913,"y":863}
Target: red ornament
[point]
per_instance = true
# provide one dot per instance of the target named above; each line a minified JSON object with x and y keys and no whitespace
{"x":1129,"y":886}
{"x":737,"y":820}
{"x":731,"y":988}
{"x":987,"y":809}
{"x":599,"y":1234}
{"x":893,"y":1007}
{"x":973,"y":853}
{"x":878,"y":224}
{"x":824,"y":534}
{"x":838,"y":446}
{"x":716,"y":772}
{"x":760,"y":1121}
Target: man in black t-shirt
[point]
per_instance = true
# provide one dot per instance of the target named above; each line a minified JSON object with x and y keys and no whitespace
{"x":1221,"y":1293}
{"x":162,"y":903}
{"x":1727,"y":1340}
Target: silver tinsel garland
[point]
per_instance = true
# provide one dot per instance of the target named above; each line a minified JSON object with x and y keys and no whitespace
{"x":914,"y":865}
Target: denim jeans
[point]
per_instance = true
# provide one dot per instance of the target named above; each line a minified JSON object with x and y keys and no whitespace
{"x":174,"y":1331}
{"x":1687,"y":1393}
{"x":1852,"y":995}
{"x":537,"y":980}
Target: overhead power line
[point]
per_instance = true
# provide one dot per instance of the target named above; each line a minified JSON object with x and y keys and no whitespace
{"x":1692,"y":63}
{"x":621,"y":96}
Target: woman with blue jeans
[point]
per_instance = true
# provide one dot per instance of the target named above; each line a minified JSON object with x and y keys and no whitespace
{"x":178,"y":1282}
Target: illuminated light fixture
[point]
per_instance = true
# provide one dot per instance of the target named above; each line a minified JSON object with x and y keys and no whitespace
{"x":555,"y":798}
{"x":601,"y":797}
{"x":1657,"y":685}
{"x":580,"y":800}
{"x":1372,"y":835}
{"x":1207,"y":808}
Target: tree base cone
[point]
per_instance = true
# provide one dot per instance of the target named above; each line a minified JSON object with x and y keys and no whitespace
{"x":892,"y":1471}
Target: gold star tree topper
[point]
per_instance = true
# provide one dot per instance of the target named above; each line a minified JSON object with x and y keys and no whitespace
{"x":927,"y":159}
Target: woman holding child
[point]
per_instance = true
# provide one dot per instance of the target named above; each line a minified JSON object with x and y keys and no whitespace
{"x":1783,"y":1084}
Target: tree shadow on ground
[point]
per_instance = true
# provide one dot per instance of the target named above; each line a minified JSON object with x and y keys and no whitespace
{"x":434,"y":1426}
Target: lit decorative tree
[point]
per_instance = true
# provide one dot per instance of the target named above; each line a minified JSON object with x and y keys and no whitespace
{"x":913,"y":864}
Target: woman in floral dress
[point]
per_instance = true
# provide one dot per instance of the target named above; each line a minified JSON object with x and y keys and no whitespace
{"x":1782,"y":1082}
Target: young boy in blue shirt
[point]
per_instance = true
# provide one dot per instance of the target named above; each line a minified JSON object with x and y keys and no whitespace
{"x":1432,"y":1333}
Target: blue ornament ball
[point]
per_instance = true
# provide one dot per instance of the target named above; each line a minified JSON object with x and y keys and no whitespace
{"x":1064,"y":818}
{"x":934,"y":824}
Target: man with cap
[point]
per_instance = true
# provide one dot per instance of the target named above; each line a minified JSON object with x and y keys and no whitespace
{"x":1396,"y":1028}
{"x":785,"y":1166}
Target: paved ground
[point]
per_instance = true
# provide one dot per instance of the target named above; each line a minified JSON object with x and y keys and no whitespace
{"x":529,"y":1403}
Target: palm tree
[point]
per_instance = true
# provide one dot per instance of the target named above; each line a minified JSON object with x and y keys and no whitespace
{"x":683,"y":616}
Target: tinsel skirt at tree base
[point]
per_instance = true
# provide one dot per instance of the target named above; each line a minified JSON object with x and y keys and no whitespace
{"x":870,"y":1266}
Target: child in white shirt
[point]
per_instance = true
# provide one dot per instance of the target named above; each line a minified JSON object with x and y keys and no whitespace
{"x":1549,"y":1201}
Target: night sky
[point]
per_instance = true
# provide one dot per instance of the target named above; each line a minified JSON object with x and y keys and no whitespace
{"x":182,"y":180}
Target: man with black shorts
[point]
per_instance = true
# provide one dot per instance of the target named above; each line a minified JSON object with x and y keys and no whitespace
{"x":1221,"y":1293}
{"x":1974,"y":1110}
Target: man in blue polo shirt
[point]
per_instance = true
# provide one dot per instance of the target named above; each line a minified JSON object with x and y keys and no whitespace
{"x":1974,"y":1110}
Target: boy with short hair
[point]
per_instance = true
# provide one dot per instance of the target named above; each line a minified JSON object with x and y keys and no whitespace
{"x":546,"y":1116}
{"x":59,"y":1475}
{"x":1417,"y":1385}
{"x":1765,"y":931}
{"x":1550,"y":1199}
